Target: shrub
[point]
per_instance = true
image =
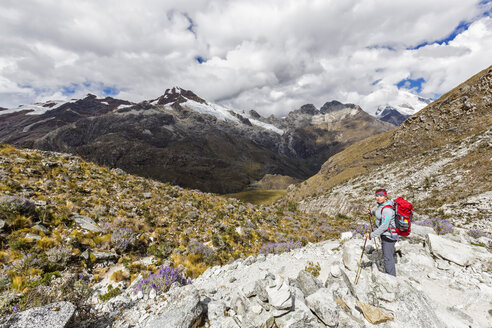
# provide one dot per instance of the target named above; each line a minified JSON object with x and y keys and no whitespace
{"x":313,"y":269}
{"x":292,"y":206}
{"x":59,"y":255}
{"x":122,"y":238}
{"x":112,"y":292}
{"x":278,"y":248}
{"x":162,"y":280}
{"x":477,"y":233}
{"x":205,"y":253}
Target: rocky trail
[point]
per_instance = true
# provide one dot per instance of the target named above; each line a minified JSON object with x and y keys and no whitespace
{"x":443,"y":281}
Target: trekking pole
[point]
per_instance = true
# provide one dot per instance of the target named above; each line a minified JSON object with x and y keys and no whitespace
{"x":360,"y":262}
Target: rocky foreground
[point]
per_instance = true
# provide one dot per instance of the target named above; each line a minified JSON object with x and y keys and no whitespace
{"x":443,"y":281}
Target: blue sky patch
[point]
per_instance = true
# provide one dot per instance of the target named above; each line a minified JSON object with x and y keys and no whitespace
{"x":110,"y":91}
{"x":411,"y":84}
{"x":376,"y":82}
{"x":200,"y":59}
{"x":463,"y":26}
{"x":69,"y":89}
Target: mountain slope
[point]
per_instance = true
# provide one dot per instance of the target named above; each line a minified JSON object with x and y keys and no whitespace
{"x":62,"y":218}
{"x":182,"y":139}
{"x":439,"y":157}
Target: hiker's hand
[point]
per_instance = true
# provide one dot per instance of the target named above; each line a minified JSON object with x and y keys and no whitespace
{"x":368,"y":235}
{"x":368,"y":211}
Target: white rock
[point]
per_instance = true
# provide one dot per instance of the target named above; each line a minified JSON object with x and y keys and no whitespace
{"x":86,"y":223}
{"x":458,"y":253}
{"x":350,"y":258}
{"x":323,"y":305}
{"x":280,"y":297}
{"x":346,"y":235}
{"x":54,"y":315}
{"x":335,"y":271}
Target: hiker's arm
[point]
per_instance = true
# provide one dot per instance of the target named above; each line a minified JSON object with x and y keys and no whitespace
{"x":385,"y":220}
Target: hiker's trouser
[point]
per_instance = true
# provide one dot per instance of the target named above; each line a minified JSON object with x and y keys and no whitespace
{"x":389,"y":255}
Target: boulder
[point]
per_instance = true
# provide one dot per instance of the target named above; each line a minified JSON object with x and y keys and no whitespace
{"x":33,"y":236}
{"x":54,"y":315}
{"x":223,"y":322}
{"x":86,"y":223}
{"x":307,"y":283}
{"x":301,"y":317}
{"x":346,"y":235}
{"x":258,"y":320}
{"x":324,"y":306}
{"x":216,"y":310}
{"x":458,"y":253}
{"x":351,"y":256}
{"x":279,"y":296}
{"x":184,"y":309}
{"x":335,"y":271}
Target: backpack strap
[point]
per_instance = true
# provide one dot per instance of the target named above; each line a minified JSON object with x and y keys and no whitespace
{"x":389,"y":223}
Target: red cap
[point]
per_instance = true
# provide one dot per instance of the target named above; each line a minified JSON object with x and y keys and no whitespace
{"x":381,"y":192}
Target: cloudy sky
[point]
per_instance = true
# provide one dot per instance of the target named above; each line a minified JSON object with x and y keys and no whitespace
{"x":267,"y":55}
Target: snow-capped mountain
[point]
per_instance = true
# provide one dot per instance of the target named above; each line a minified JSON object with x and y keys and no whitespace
{"x":184,"y":139}
{"x":397,"y":113}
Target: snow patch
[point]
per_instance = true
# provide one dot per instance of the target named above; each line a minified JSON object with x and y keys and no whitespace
{"x":37,"y":108}
{"x":408,"y":104}
{"x":123,"y":106}
{"x":224,"y":114}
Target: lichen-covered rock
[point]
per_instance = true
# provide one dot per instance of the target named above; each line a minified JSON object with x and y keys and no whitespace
{"x":54,"y":315}
{"x":184,"y":310}
{"x":324,"y":306}
{"x":307,"y":283}
{"x":86,"y":223}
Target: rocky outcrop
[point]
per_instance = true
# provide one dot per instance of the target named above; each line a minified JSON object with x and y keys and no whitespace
{"x":55,"y":315}
{"x":265,"y":291}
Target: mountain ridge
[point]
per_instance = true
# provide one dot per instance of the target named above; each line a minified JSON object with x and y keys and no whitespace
{"x":180,"y":138}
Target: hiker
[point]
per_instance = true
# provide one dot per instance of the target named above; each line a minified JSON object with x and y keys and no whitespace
{"x":385,"y":227}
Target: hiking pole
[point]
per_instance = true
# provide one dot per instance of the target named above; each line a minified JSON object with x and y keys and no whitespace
{"x":360,"y":262}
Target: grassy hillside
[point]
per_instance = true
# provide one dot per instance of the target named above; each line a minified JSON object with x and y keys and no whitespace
{"x":46,"y":255}
{"x":258,"y":196}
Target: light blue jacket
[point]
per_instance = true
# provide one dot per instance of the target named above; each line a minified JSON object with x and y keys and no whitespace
{"x":385,"y":220}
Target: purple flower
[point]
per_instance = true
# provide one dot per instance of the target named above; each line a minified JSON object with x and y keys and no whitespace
{"x":278,"y":248}
{"x":15,"y":308}
{"x":162,"y":280}
{"x":441,"y":227}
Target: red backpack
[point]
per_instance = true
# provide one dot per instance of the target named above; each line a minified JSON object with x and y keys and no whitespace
{"x":403,"y":216}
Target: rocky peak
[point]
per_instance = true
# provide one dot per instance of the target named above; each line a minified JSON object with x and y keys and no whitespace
{"x":308,"y":109}
{"x":178,"y":95}
{"x":391,"y":115}
{"x":254,"y":114}
{"x":334,"y":105}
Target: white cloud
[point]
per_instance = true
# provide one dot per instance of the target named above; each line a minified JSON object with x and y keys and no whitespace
{"x":268,"y":55}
